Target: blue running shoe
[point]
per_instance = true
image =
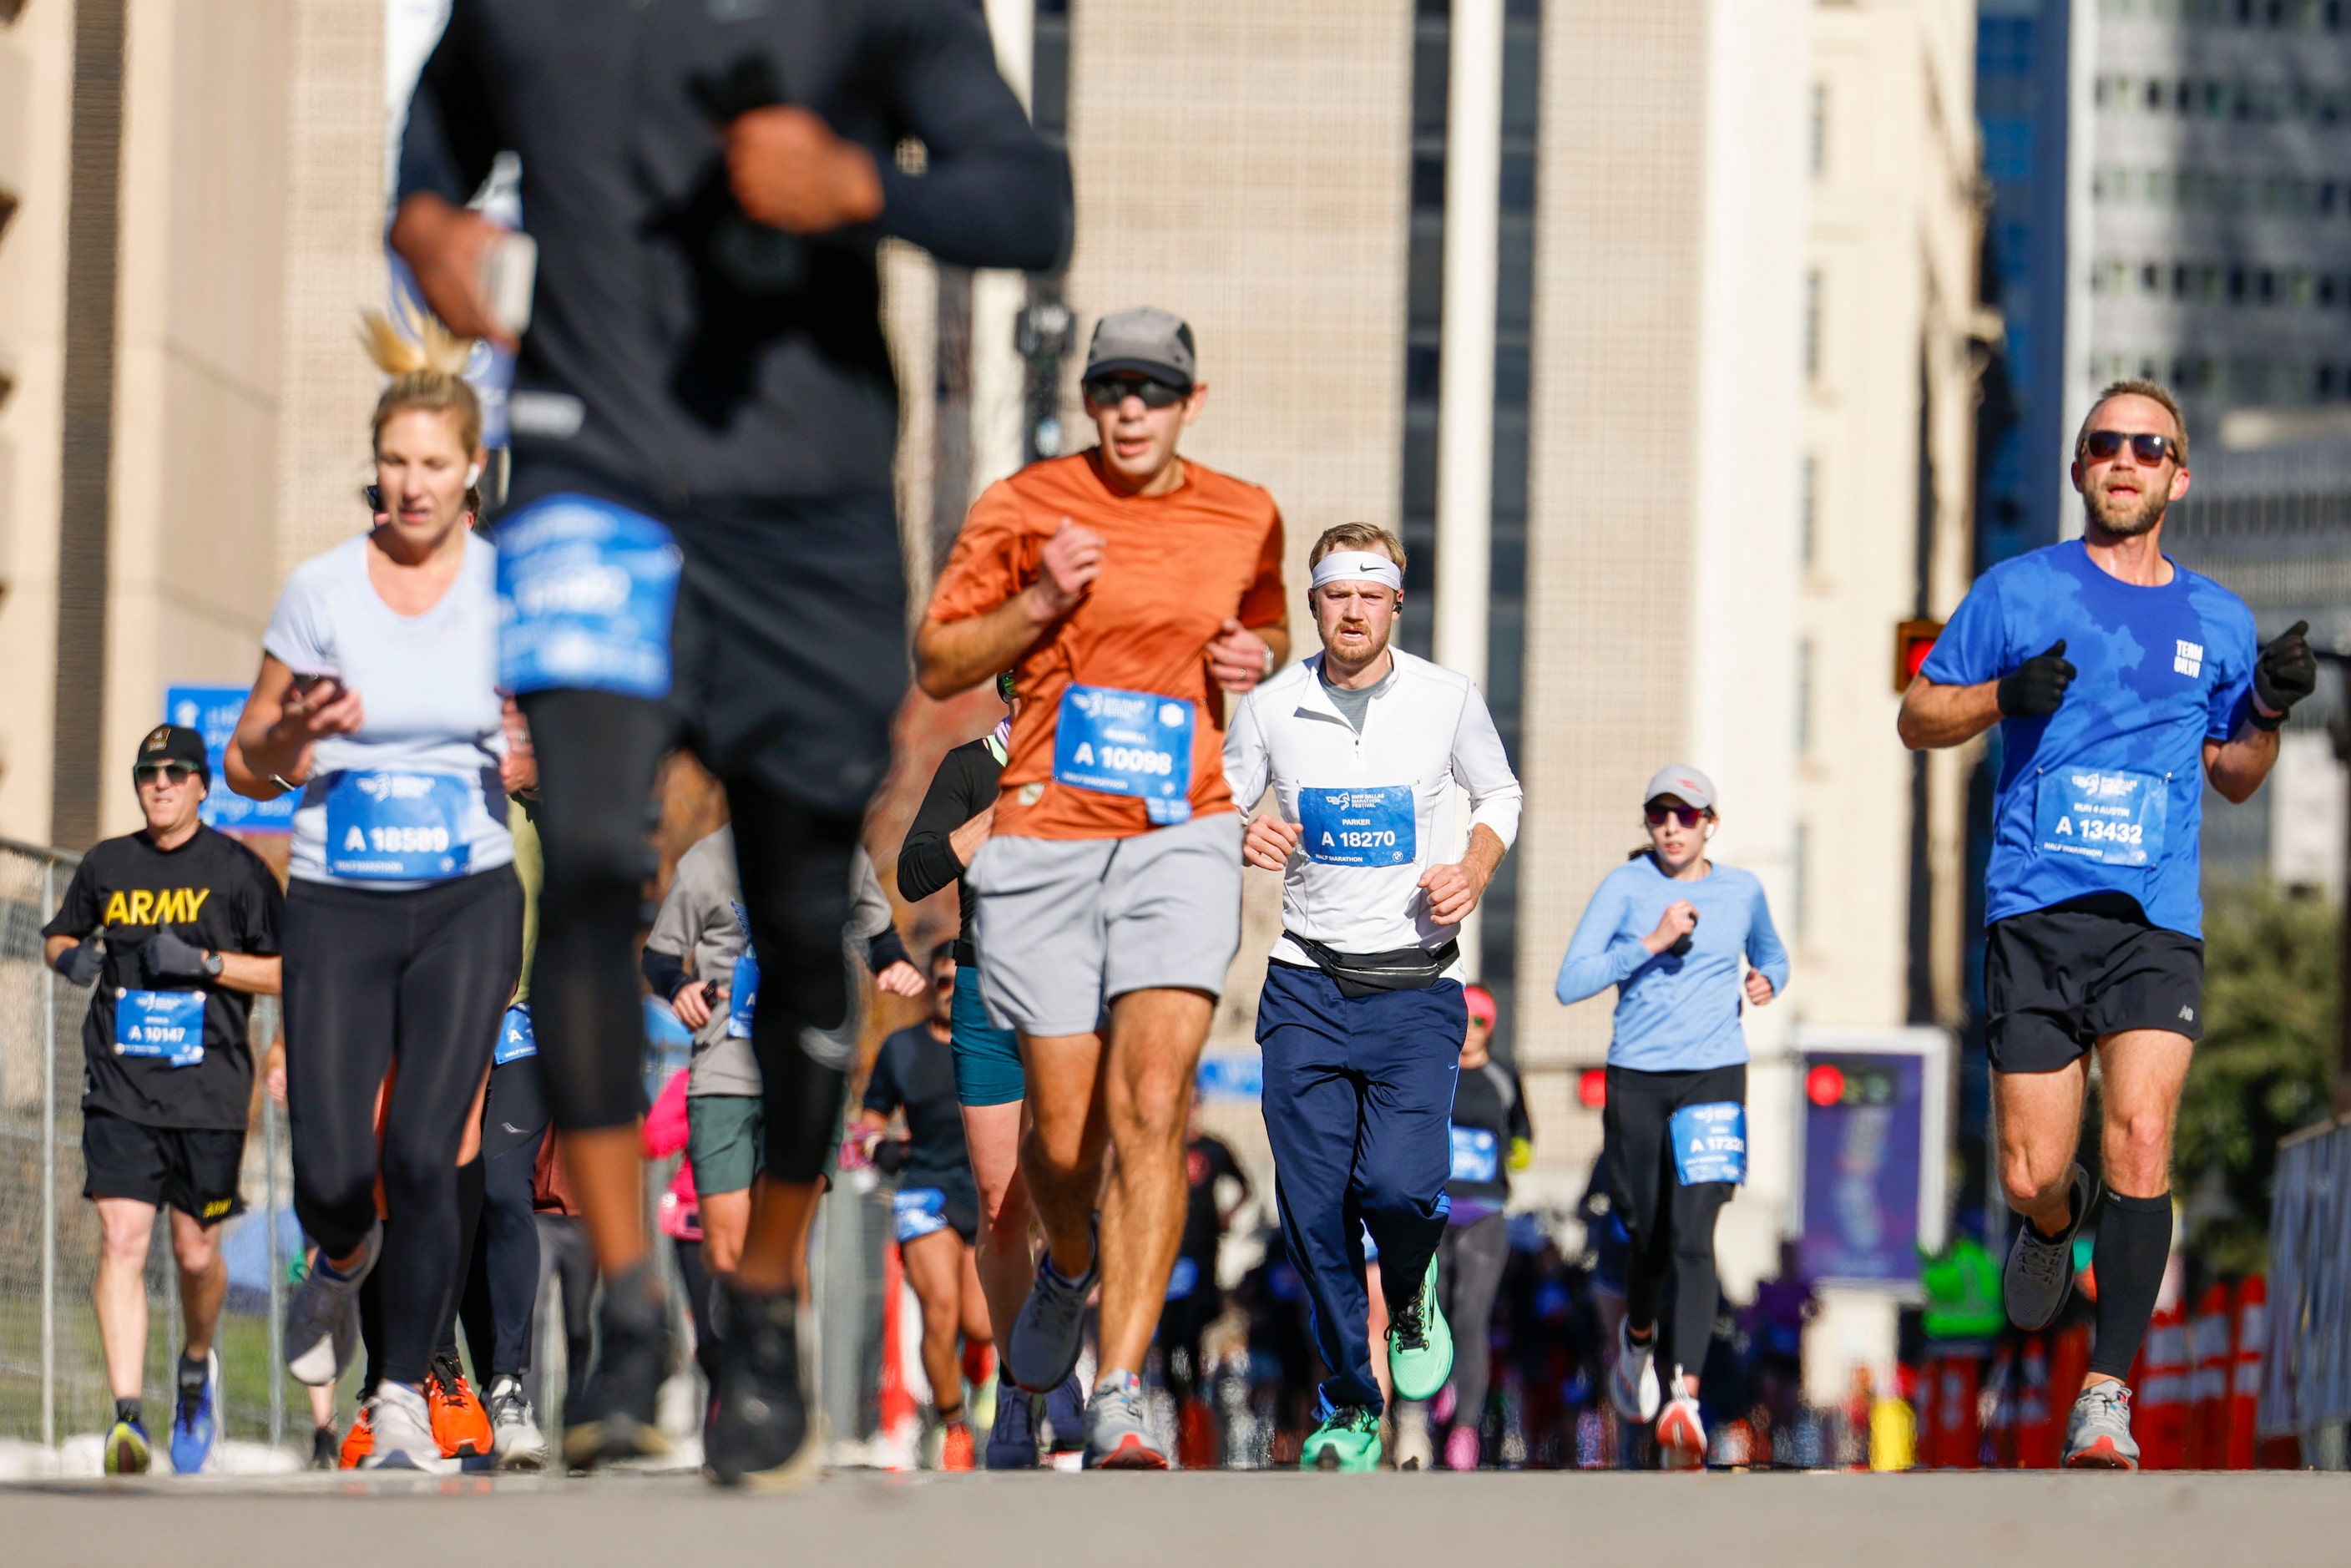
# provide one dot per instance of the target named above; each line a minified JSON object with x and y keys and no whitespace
{"x":195,"y":1421}
{"x":126,"y":1449}
{"x":1049,"y":1333}
{"x":1012,"y":1442}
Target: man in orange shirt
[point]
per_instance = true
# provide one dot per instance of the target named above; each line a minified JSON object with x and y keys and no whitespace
{"x":1130,"y":590}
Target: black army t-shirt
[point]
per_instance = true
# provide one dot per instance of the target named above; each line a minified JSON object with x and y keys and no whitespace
{"x":211,"y":891}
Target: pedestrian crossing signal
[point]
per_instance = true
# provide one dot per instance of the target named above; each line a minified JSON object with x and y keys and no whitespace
{"x":1913,"y":641}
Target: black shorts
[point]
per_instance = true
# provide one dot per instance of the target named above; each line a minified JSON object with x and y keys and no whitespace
{"x":2057,"y":978}
{"x":191,"y":1169}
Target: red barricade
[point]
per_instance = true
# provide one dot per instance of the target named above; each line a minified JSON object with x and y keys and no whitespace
{"x":2208,"y":1353}
{"x":2159,"y":1415}
{"x":2245,"y":1371}
{"x":1950,"y":1436}
{"x":2037,"y":1428}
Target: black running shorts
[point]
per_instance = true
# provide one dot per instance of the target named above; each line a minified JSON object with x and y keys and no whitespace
{"x":191,"y":1169}
{"x":2057,"y":978}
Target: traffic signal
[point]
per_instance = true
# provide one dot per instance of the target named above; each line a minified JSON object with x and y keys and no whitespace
{"x":1913,"y":641}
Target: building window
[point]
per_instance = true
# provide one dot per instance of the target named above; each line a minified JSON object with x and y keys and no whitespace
{"x":1808,"y":515}
{"x":1820,"y":129}
{"x":1813,"y":324}
{"x":1804,"y":698}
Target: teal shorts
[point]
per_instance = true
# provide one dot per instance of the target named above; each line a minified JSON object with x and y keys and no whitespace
{"x":986,"y":1058}
{"x":723,"y":1138}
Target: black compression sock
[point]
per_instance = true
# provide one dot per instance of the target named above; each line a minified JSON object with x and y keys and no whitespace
{"x":193,"y":1372}
{"x":128,"y":1410}
{"x":2134,"y":1243}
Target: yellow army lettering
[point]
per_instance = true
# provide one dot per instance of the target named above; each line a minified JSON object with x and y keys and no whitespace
{"x":147,"y":906}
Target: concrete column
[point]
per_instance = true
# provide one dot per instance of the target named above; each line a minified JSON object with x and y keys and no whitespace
{"x":1465,"y":390}
{"x":999,"y":376}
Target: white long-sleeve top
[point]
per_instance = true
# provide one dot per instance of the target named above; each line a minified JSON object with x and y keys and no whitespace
{"x":1353,"y":882}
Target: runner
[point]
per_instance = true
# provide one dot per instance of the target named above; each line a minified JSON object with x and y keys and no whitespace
{"x":1129,"y":588}
{"x":708,"y":365}
{"x":1361,"y":1016}
{"x":1492,"y":1136}
{"x":180,"y":925}
{"x":956,"y":816}
{"x":937,"y":1205}
{"x":377,"y":701}
{"x":2121,"y":681}
{"x":1669,"y":929}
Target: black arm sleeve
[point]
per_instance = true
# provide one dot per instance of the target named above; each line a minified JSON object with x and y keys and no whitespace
{"x":881,"y":1092}
{"x":993,"y":193}
{"x":959,"y":791}
{"x":884,"y":947}
{"x":1522,"y":1125}
{"x":452,"y":135}
{"x":664,"y":972}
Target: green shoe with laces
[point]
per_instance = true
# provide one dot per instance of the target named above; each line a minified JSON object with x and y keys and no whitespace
{"x":1420,"y":1345}
{"x":1349,"y":1440}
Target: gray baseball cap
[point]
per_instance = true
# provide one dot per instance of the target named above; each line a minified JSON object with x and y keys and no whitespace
{"x":1693,"y":786}
{"x":1145,"y":341}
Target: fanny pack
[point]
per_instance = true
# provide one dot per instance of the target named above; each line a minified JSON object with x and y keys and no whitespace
{"x":1367,"y":974}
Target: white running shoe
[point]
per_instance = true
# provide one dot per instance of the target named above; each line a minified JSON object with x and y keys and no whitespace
{"x":403,"y":1433}
{"x":2097,"y":1432}
{"x":1633,"y":1381}
{"x":1681,"y":1431}
{"x":322,"y":1321}
{"x":516,"y":1441}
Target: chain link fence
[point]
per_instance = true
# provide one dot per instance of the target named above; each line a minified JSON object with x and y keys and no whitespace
{"x":53,"y":1382}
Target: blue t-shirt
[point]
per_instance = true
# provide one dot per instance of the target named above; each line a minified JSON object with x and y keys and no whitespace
{"x":2107,"y":794}
{"x":1673,"y":1014}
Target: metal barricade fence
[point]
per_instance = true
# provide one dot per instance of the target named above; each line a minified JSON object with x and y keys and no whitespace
{"x":2306,"y":1362}
{"x":53,"y":1382}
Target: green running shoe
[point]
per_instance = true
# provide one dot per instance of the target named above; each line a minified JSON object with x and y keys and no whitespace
{"x":1420,"y":1345}
{"x":1349,"y":1440}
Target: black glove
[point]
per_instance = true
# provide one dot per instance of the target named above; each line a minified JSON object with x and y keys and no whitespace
{"x":78,"y":964}
{"x":890,"y":1155}
{"x":2034,"y":688}
{"x":172,"y":957}
{"x":2286,"y":671}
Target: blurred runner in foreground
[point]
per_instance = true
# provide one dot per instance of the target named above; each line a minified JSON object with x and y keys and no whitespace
{"x":701,"y":546}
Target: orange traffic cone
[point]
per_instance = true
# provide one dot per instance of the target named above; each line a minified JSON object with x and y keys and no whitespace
{"x":2160,"y":1418}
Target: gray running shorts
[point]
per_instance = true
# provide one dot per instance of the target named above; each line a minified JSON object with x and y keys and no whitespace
{"x":1066,"y":926}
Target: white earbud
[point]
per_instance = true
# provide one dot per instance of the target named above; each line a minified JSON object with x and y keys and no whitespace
{"x":1709,"y":831}
{"x":473,"y":476}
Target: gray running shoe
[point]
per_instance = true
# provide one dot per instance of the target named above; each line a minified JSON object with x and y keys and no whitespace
{"x":1633,"y":1380}
{"x":2097,"y":1433}
{"x":403,"y":1423}
{"x":1051,"y":1332}
{"x":2040,"y":1273}
{"x":516,"y":1440}
{"x":1118,"y":1428}
{"x":322,"y":1321}
{"x":1012,"y":1442}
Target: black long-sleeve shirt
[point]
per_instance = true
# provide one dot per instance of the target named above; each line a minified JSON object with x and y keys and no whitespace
{"x":964,"y":786}
{"x":656,"y":360}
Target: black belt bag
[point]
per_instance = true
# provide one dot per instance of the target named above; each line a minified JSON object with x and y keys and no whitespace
{"x":1368,"y":974}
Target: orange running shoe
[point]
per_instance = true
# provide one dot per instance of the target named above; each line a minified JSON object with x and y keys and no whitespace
{"x":955,"y":1446}
{"x":360,"y":1441}
{"x":460,"y":1425}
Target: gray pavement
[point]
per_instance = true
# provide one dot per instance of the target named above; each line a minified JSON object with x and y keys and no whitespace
{"x":865,"y":1520}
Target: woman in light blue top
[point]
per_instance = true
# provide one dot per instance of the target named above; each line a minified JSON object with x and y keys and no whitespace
{"x":1687,"y":944}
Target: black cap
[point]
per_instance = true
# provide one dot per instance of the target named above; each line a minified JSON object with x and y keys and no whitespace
{"x":174,"y":743}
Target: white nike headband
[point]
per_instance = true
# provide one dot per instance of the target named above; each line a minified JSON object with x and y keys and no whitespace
{"x":1358,"y":565}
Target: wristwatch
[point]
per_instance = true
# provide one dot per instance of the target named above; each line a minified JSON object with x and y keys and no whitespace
{"x":213,"y":965}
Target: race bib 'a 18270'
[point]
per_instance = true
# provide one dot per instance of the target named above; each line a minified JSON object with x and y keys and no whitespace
{"x":1374,"y":826}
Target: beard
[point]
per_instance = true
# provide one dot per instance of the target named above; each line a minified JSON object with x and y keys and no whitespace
{"x":1379,"y":640}
{"x":2126,"y":522}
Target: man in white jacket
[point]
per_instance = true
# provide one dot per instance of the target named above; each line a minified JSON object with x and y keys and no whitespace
{"x":1361,"y":1016}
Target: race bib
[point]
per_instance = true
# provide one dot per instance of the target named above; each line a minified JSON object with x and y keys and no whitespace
{"x":517,"y":1038}
{"x":2111,"y":816}
{"x":1709,"y":1143}
{"x":397,"y":827}
{"x":1476,"y":1154}
{"x":917,"y":1212}
{"x":1375,"y":827}
{"x":743,"y":996}
{"x":1127,"y":743}
{"x":166,"y":1024}
{"x":586,"y":594}
{"x":1183,"y":1279}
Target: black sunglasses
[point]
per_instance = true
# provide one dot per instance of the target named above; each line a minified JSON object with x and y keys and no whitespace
{"x":2101,"y":446}
{"x":1109,"y":392}
{"x":169,"y":772}
{"x":1688,"y":816}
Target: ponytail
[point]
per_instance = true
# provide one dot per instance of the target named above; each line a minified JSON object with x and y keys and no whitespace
{"x":427,"y":372}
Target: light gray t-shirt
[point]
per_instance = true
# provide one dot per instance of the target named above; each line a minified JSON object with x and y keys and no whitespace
{"x":1352,"y":704}
{"x":428,"y":691}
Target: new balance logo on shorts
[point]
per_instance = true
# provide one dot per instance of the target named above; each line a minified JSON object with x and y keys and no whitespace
{"x":2187,"y":658}
{"x":2188,"y":1014}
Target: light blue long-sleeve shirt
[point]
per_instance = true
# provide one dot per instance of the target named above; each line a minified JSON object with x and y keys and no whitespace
{"x":1673,"y":1015}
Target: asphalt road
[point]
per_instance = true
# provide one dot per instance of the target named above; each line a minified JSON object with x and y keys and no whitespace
{"x":866,"y":1520}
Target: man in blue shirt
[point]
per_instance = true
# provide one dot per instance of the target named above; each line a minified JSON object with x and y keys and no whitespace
{"x":2122,"y":681}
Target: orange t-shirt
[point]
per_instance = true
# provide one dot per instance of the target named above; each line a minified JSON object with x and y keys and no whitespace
{"x":1175,"y":568}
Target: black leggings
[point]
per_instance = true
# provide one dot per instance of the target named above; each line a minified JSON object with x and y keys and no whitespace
{"x":597,"y":755}
{"x":1469,"y":1264}
{"x":419,"y":978}
{"x":1672,"y":1225}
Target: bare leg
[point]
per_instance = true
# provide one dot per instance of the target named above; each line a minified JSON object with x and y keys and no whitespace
{"x":977,"y":1327}
{"x":726,"y":1220}
{"x":1006,"y":1260}
{"x":1062,"y":1153}
{"x":2138,"y":1103}
{"x":775,"y":1246}
{"x":935,"y":1266}
{"x":125,"y":1227}
{"x":608,"y":1171}
{"x":204,"y":1282}
{"x":1155,"y":1049}
{"x":2040,"y":1131}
